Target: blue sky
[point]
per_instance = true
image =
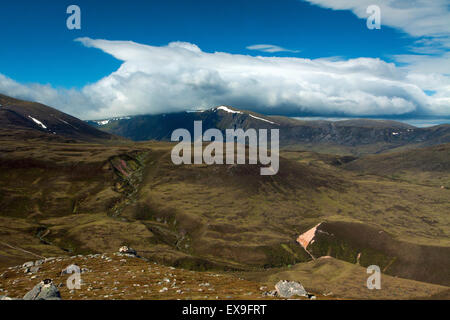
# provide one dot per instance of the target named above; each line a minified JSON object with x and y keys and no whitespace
{"x":41,"y":49}
{"x":39,"y":53}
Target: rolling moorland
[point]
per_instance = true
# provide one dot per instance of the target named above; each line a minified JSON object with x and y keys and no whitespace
{"x":377,"y":191}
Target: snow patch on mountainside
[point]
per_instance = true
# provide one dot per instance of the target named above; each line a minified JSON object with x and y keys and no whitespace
{"x":39,"y":123}
{"x":107,"y":121}
{"x":258,"y":118}
{"x":226,"y":109}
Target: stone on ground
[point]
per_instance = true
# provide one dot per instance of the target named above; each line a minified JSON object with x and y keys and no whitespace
{"x":45,"y":290}
{"x":287,"y":289}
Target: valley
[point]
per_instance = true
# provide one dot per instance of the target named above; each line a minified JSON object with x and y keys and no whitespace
{"x":91,"y":192}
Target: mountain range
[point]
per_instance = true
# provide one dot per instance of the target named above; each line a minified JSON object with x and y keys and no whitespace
{"x":357,"y":136}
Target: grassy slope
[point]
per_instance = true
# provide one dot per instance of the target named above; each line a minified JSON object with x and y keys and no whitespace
{"x":336,"y":278}
{"x":125,"y":278}
{"x":429,"y":166}
{"x":223,"y":217}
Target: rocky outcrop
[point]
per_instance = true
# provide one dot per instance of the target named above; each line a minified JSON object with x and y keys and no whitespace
{"x":44,"y":290}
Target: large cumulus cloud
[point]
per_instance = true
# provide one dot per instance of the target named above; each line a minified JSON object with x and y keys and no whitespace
{"x":180,"y":76}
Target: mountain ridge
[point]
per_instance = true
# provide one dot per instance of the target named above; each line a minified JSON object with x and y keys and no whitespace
{"x":355,"y":136}
{"x":30,"y":119}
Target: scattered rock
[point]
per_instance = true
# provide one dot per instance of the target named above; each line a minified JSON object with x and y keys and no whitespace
{"x":45,"y":290}
{"x":34,"y":269}
{"x":127,"y":250}
{"x":272,"y":293}
{"x":28,"y":264}
{"x":39,"y":262}
{"x":287,"y":289}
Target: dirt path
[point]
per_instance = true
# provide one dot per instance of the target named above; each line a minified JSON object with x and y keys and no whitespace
{"x":23,"y":250}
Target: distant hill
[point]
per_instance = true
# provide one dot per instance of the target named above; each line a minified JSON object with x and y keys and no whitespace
{"x":29,"y":120}
{"x":435,"y":158}
{"x":357,"y":136}
{"x":428,"y":166}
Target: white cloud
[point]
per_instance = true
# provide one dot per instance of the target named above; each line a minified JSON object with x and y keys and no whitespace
{"x":439,"y":64}
{"x":426,"y":20}
{"x":180,"y":76}
{"x":68,"y":100}
{"x":418,"y":18}
{"x":269,"y":48}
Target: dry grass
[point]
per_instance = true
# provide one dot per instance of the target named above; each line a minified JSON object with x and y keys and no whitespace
{"x":125,"y":278}
{"x":196,"y":217}
{"x":334,"y":278}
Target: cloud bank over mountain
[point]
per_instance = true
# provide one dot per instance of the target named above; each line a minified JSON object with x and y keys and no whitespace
{"x":180,"y":76}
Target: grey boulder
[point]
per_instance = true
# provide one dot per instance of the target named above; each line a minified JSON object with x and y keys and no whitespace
{"x":45,"y":290}
{"x":287,"y":289}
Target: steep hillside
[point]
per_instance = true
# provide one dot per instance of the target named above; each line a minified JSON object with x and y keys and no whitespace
{"x":34,"y":120}
{"x":365,"y":245}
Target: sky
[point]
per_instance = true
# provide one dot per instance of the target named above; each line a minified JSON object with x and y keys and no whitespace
{"x":288,"y":57}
